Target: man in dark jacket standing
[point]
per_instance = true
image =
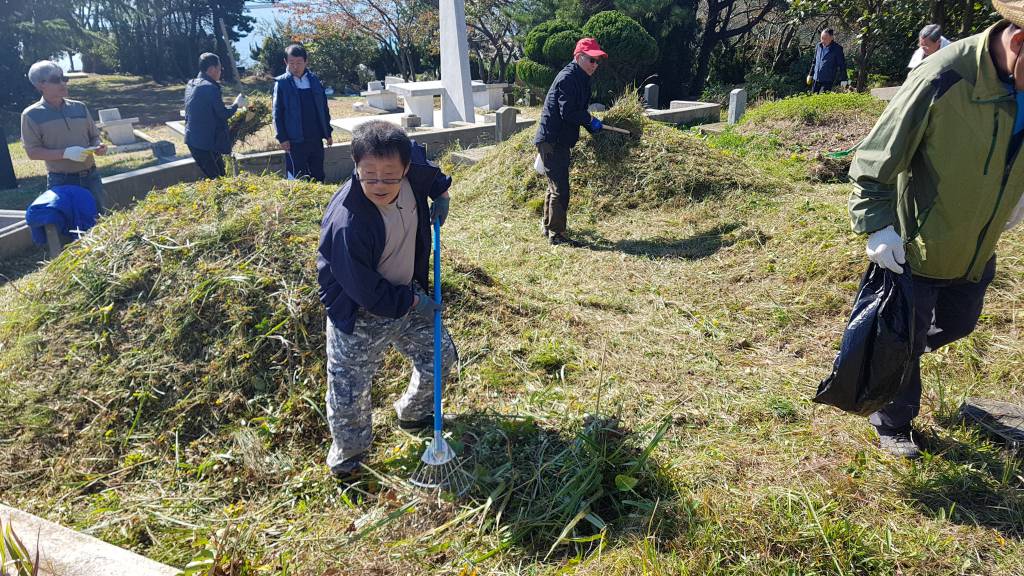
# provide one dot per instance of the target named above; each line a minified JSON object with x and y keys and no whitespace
{"x":372,"y":267}
{"x":206,"y":117}
{"x":829,"y":66}
{"x":565,"y":110}
{"x":302,"y":120}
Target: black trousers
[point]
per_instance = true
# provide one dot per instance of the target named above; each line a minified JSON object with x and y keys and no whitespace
{"x":306,"y":160}
{"x":944,"y":311}
{"x":211,"y":163}
{"x":819,"y":87}
{"x":556,"y":204}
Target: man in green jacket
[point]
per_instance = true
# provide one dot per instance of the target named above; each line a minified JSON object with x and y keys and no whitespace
{"x":936,"y":183}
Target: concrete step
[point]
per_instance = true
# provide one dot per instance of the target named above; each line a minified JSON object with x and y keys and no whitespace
{"x":716,"y":128}
{"x":471,"y":156}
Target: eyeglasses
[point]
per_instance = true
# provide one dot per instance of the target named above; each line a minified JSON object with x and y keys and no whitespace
{"x":62,"y":79}
{"x":388,"y":181}
{"x":592,"y":60}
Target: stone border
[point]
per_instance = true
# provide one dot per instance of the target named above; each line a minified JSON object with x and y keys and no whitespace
{"x":64,"y":552}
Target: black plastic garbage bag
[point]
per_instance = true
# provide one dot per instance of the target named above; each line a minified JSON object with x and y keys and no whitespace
{"x":876,"y":355}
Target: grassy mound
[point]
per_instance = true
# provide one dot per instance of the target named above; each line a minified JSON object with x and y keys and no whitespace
{"x":798,"y":135}
{"x":664,"y":167}
{"x":636,"y":406}
{"x":181,"y":345}
{"x":164,"y":325}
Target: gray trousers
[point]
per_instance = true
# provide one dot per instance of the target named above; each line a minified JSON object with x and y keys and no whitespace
{"x":353,"y":359}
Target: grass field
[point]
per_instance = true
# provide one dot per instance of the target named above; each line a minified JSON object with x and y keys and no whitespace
{"x":640,"y":406}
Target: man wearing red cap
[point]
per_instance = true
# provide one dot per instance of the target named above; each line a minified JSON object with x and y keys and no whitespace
{"x":565,"y":110}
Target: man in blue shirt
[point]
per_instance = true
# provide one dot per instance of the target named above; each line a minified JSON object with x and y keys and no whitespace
{"x":206,"y":117}
{"x":829,"y":66}
{"x":302,"y":120}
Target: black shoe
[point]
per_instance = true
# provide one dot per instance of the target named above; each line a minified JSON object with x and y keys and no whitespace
{"x":416,"y":425}
{"x":557,"y":239}
{"x":899,"y":442}
{"x":350,"y":469}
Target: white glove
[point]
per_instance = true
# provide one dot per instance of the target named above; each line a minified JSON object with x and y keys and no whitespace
{"x":885,"y":248}
{"x":75,"y":153}
{"x":1016,"y":216}
{"x":241,"y":100}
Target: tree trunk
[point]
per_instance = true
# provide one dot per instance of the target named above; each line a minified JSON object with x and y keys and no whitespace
{"x":223,"y":47}
{"x":863,"y":55}
{"x":707,"y":43}
{"x":968,"y":25}
{"x":939,"y":12}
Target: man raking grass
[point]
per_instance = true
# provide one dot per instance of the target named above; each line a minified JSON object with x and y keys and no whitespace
{"x":372,"y":268}
{"x":565,"y":111}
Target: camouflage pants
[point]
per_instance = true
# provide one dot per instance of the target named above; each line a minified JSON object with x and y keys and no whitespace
{"x":352,"y":360}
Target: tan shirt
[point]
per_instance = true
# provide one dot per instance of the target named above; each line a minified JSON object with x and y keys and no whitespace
{"x":400,"y":223}
{"x":43,"y":126}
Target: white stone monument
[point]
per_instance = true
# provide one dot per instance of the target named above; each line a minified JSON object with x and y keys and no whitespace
{"x":737,"y":105}
{"x":458,"y":106}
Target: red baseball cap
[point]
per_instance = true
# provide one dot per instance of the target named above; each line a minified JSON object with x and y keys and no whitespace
{"x":590,"y":47}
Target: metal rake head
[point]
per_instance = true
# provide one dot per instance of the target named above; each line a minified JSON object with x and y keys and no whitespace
{"x":441,"y":469}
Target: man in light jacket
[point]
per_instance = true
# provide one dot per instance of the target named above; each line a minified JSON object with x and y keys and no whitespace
{"x":929,"y":41}
{"x":936,"y":183}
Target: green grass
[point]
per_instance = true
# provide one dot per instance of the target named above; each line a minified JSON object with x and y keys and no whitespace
{"x":161,"y":386}
{"x":816,"y":108}
{"x":793,"y":138}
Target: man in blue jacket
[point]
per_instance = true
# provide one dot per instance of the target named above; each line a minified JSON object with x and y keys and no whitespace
{"x":566,"y":108}
{"x":372,"y":267}
{"x":302,"y":120}
{"x":829,"y":66}
{"x":206,"y":117}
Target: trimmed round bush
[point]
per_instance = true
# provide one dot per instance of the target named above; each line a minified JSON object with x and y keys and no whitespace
{"x":559,"y":47}
{"x":631,"y":51}
{"x":536,"y":39}
{"x":535,"y":75}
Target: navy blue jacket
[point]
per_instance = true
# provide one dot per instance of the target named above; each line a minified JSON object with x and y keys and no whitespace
{"x":206,"y":116}
{"x":829,"y":65}
{"x":288,"y":110}
{"x":352,"y":238}
{"x":565,"y":108}
{"x":67,"y":207}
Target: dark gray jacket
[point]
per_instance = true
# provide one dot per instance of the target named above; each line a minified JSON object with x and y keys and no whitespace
{"x":206,"y":116}
{"x":565,"y":108}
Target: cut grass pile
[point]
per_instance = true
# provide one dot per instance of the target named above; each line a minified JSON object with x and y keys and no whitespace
{"x":637,"y":407}
{"x":612,"y":171}
{"x":794,"y":137}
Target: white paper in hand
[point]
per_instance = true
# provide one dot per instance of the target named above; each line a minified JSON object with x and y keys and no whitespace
{"x":538,"y":165}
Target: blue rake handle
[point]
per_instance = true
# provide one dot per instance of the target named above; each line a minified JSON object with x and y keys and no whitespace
{"x":437,"y":328}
